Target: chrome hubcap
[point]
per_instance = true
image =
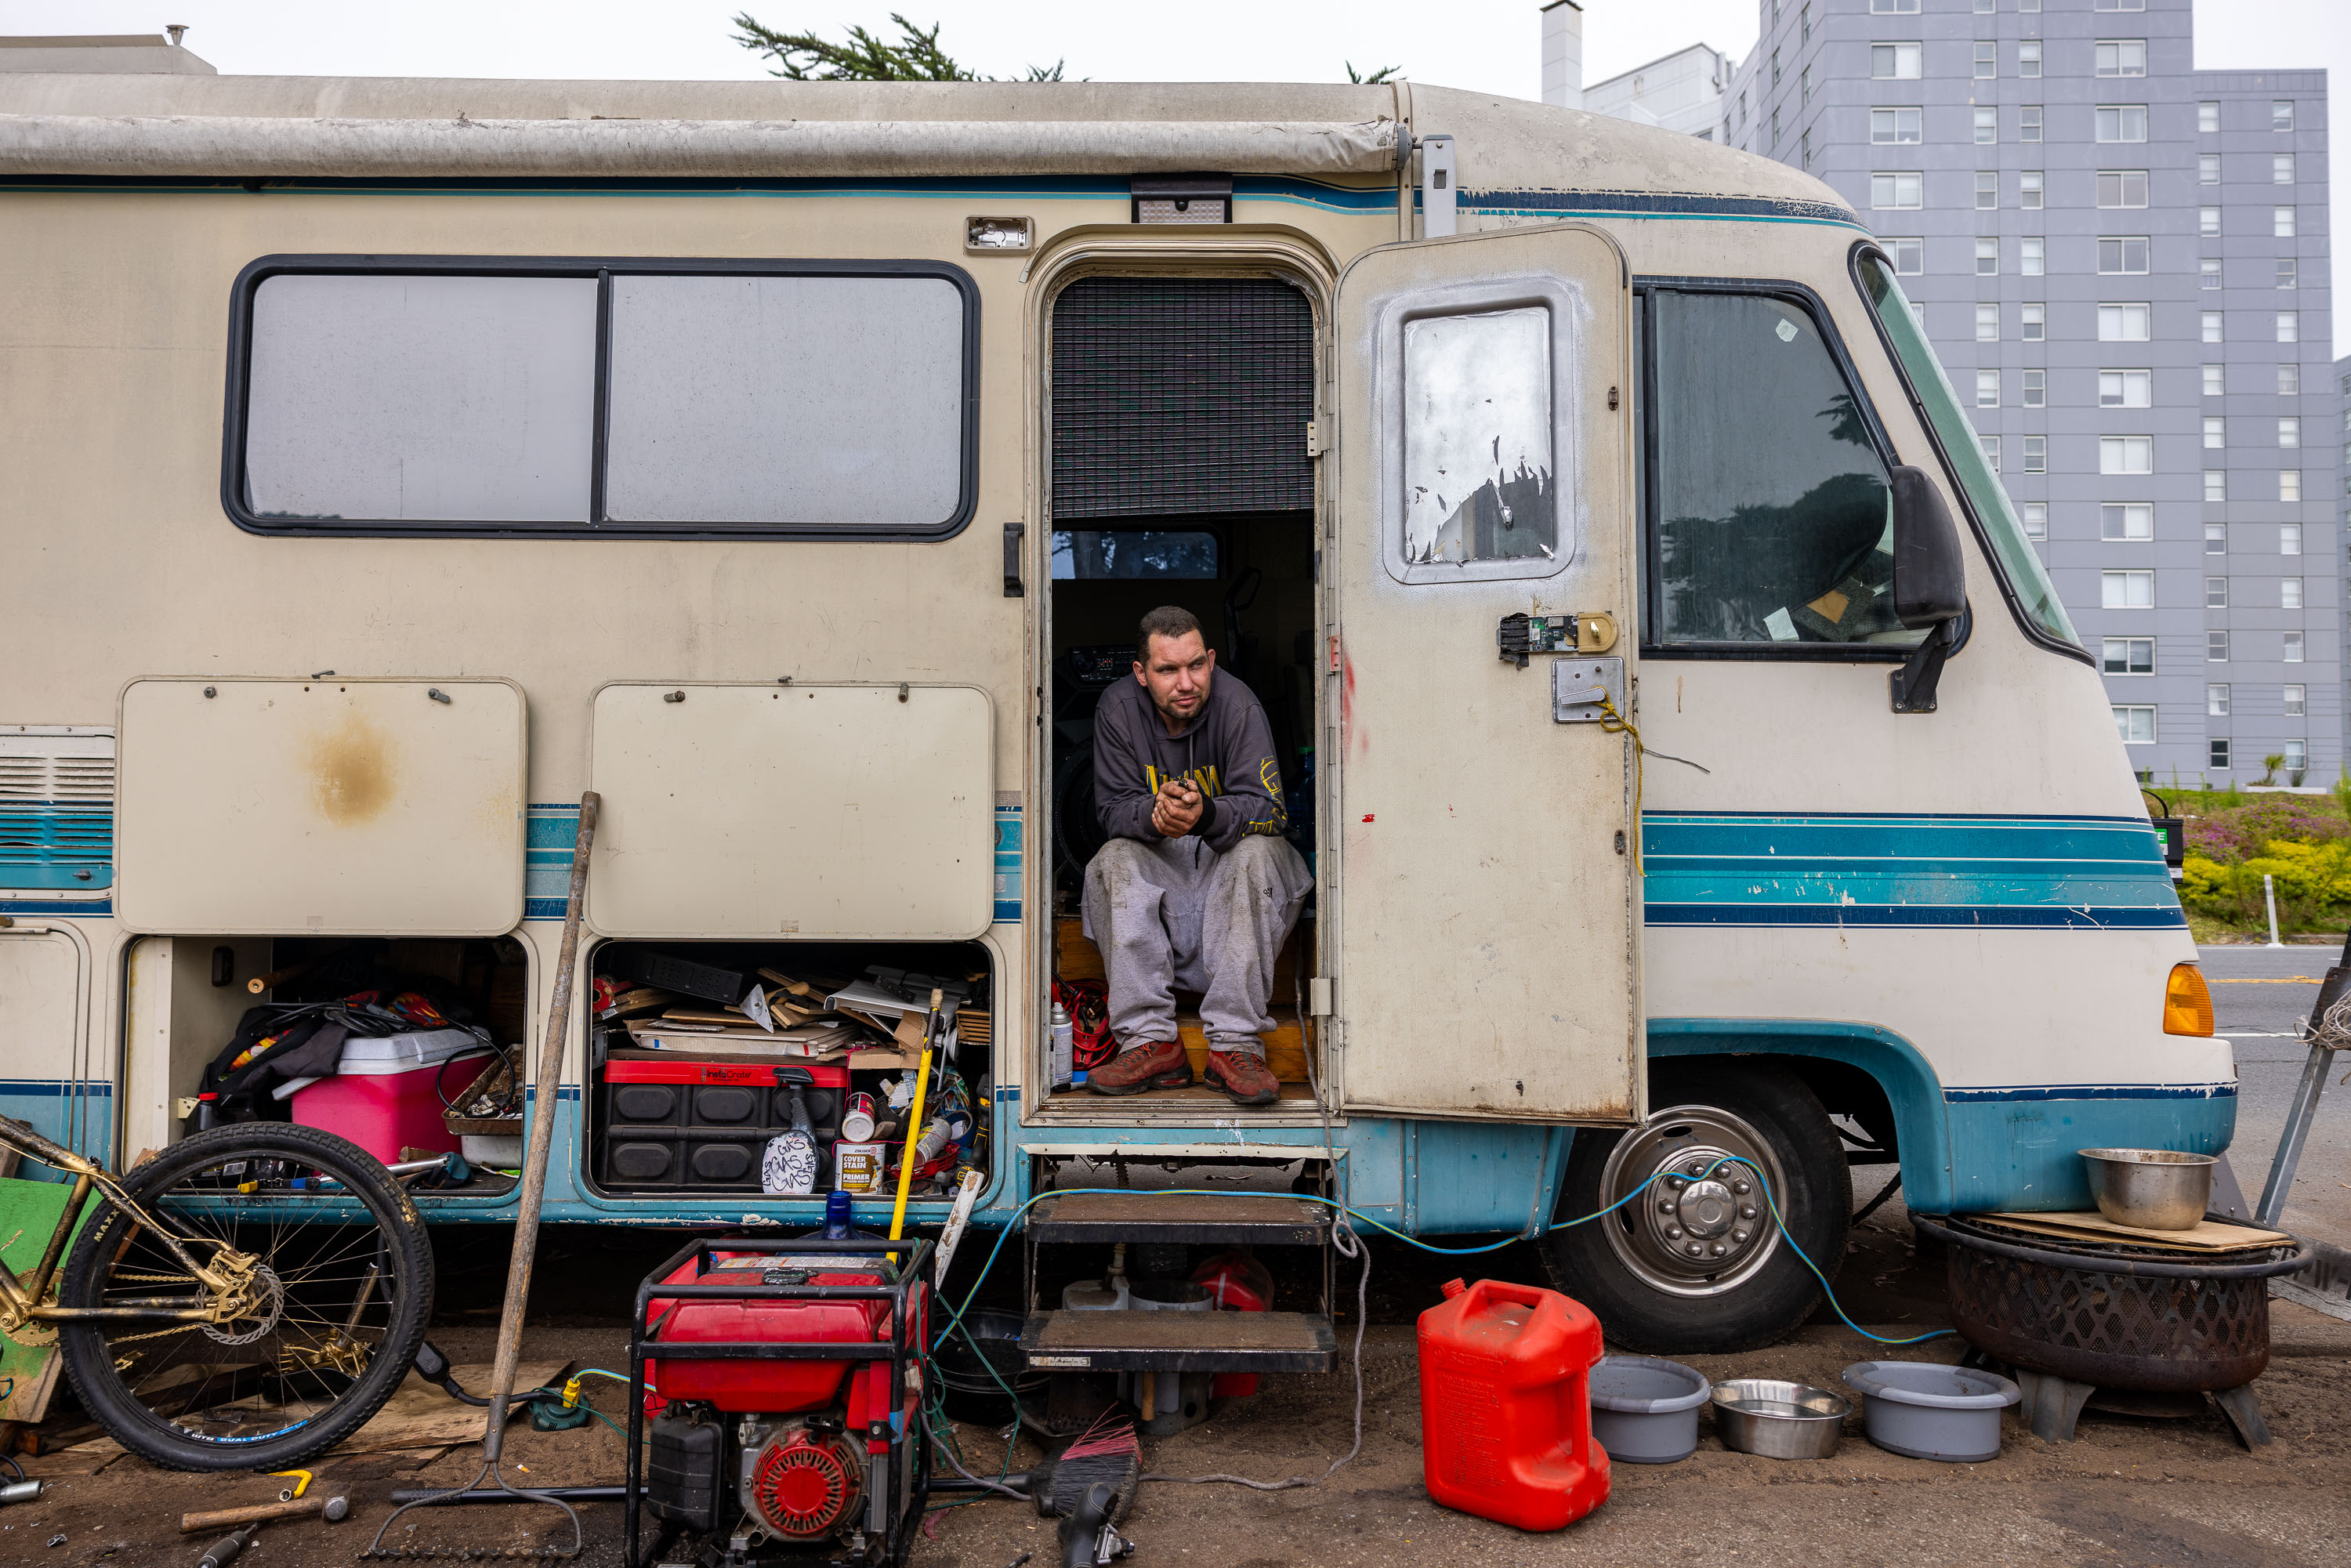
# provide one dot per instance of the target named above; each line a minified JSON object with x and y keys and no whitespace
{"x":1702,"y":1229}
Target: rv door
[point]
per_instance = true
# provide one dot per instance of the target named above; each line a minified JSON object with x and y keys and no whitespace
{"x":1486,"y":881}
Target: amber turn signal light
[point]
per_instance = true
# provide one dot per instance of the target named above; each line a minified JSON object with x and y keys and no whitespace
{"x":2187,"y":1003}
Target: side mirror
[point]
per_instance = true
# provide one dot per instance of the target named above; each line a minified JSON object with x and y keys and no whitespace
{"x":1930,"y":584}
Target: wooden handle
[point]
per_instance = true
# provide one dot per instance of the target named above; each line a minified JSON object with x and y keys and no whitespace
{"x":214,"y":1519}
{"x":260,"y":983}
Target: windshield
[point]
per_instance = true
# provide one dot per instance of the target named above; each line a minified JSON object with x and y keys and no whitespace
{"x":1997,"y":518}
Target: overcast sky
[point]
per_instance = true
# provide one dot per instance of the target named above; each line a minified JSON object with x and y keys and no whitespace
{"x":1488,"y":44}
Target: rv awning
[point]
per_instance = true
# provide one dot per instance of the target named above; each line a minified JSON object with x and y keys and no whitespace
{"x":254,"y":146}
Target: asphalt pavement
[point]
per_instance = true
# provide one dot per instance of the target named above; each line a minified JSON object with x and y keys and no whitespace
{"x":2261,"y":996}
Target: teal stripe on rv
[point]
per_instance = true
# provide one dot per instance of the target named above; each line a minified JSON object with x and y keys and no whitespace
{"x":1922,"y":870}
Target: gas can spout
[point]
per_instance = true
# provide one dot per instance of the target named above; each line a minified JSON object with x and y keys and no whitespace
{"x":1455,"y":1286}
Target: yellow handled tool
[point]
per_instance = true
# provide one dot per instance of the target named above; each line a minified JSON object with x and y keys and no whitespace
{"x":914,"y":1119}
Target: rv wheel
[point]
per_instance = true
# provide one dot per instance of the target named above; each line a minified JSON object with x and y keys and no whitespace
{"x":1695,"y":1263}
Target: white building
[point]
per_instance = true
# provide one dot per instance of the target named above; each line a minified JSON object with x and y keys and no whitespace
{"x":1681,"y":91}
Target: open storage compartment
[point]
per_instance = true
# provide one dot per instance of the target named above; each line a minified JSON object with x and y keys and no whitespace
{"x":698,"y":1052}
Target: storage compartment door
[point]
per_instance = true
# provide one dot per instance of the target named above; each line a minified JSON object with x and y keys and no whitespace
{"x":1489,"y":906}
{"x":358,"y":808}
{"x":753,"y":812}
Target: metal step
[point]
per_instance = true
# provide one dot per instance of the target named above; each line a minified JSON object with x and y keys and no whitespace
{"x":1179,"y":1342}
{"x":1230,"y":1220}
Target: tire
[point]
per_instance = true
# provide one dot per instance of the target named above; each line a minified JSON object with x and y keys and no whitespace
{"x":1748,"y":1287}
{"x":244,"y":1397}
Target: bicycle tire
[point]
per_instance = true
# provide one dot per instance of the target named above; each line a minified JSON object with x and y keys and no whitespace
{"x":401,"y":1261}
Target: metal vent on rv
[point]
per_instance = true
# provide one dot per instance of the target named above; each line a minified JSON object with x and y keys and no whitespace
{"x":56,"y":808}
{"x":1184,"y":199}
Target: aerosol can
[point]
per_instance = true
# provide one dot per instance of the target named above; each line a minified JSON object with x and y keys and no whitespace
{"x":1065,"y":1047}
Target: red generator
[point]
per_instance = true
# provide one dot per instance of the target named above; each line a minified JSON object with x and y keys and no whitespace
{"x":777,"y":1411}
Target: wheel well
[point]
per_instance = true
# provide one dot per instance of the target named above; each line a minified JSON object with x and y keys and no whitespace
{"x":1843,"y":1090}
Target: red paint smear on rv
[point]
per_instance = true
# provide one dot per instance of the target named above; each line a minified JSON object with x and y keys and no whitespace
{"x":1367,"y":816}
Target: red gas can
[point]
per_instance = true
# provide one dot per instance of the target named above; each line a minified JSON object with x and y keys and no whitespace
{"x":1506,"y":1406}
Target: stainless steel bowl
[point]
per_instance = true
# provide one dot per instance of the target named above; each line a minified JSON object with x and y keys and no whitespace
{"x":1778,"y":1420}
{"x":2154,"y":1190}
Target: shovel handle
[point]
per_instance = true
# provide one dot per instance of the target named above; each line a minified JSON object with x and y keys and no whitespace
{"x":218,"y":1517}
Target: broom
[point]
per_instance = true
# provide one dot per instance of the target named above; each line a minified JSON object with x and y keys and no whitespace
{"x":1104,"y":1453}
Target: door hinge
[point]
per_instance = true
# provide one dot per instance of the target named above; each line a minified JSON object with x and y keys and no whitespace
{"x":1318,"y":997}
{"x":1313,"y":439}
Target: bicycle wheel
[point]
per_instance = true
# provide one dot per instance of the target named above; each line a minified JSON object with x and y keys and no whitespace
{"x":341,"y":1288}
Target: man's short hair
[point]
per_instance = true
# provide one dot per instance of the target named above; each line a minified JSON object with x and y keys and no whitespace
{"x":1168,"y":620}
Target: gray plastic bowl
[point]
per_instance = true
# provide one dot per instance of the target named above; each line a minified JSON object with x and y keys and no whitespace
{"x":1644,"y":1409}
{"x":1926,"y":1411}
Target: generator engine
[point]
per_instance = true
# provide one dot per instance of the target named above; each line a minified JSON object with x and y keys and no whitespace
{"x":755,"y":1459}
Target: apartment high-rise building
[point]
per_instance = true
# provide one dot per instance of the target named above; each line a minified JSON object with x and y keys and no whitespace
{"x":2125,"y":260}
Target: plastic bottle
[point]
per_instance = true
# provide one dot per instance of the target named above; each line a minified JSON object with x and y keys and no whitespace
{"x":787,"y":1167}
{"x":837,"y":1218}
{"x":1065,"y":1047}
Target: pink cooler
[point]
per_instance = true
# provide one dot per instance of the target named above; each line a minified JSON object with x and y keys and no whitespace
{"x":386,"y":1093}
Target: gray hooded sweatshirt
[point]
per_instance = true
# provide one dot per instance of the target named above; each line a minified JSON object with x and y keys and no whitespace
{"x":1225,"y":748}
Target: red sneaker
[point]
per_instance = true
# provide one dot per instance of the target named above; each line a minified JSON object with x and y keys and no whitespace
{"x":1245,"y":1079}
{"x":1154,"y":1064}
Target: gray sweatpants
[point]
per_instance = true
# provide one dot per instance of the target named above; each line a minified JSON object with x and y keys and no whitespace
{"x":1175,"y":913}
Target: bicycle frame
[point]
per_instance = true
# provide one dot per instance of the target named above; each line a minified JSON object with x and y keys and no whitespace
{"x":21,"y":1298}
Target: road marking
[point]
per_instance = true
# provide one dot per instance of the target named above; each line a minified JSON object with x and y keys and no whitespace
{"x":2289,"y":980}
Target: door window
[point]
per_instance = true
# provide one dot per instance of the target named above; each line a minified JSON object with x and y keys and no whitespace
{"x":1769,"y":496}
{"x":1478,"y":463}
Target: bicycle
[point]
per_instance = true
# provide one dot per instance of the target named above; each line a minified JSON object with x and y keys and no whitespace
{"x":245,"y":1300}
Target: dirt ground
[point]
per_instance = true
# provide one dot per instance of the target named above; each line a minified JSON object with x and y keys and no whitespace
{"x":2129,"y":1491}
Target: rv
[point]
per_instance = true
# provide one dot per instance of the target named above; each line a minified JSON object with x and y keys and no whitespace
{"x":1693,"y":758}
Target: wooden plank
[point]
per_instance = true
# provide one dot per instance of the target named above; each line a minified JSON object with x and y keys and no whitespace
{"x":30,"y":1211}
{"x":2205,"y":1235}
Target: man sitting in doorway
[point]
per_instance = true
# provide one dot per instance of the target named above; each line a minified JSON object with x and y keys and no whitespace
{"x":1196,"y":888}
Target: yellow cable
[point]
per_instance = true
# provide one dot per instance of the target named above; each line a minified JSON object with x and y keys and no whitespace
{"x":1615,"y":722}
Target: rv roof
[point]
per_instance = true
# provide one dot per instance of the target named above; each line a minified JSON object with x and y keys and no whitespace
{"x":66,"y":123}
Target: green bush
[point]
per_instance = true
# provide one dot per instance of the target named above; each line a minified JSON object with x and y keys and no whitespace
{"x":2313,"y":882}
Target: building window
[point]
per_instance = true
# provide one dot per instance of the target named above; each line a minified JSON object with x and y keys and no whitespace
{"x":2282,"y":169}
{"x":2036,"y":455}
{"x":2129,"y":656}
{"x":1987,"y":197}
{"x":2216,"y":648}
{"x":2122,"y":254}
{"x":2119,"y":5}
{"x":2288,"y":594}
{"x":2216,"y":593}
{"x":1987,"y":258}
{"x":1775,"y":128}
{"x":2213,"y":384}
{"x":2208,"y":222}
{"x":2281,"y":114}
{"x":2216,"y":539}
{"x":2028,"y":122}
{"x":2288,"y":275}
{"x":2297,"y":756}
{"x":2216,"y":484}
{"x":1990,"y":444}
{"x":1894,"y":127}
{"x":2121,"y":121}
{"x":2035,"y":320}
{"x":2036,"y":519}
{"x":1804,"y":145}
{"x":2030,"y":190}
{"x":2028,"y":57}
{"x":2220,"y":755}
{"x":2208,"y":168}
{"x":1987,"y":132}
{"x":2289,"y":431}
{"x":1987,"y":323}
{"x":2207,"y":117}
{"x":2126,"y":522}
{"x":2208,"y":273}
{"x":1909,"y":255}
{"x":2127,"y":590}
{"x":2136,"y":724}
{"x":2126,"y":388}
{"x":2289,"y":381}
{"x":2036,"y":389}
{"x":2125,"y":455}
{"x":2121,"y":57}
{"x":1893,"y":7}
{"x":2123,"y":323}
{"x":2122,"y":187}
{"x":2289,"y":538}
{"x":1804,"y":23}
{"x":1987,"y":389}
{"x":2216,"y":433}
{"x":1987,"y":65}
{"x":2289,"y":483}
{"x":2293,"y":648}
{"x":2210,"y":323}
{"x":1804,"y":86}
{"x":1775,"y":62}
{"x":1896,"y":62}
{"x":2297,"y":702}
{"x":2280,"y":222}
{"x":2216,"y":702}
{"x":2031,"y":257}
{"x":2289,"y":327}
{"x":1891,"y":190}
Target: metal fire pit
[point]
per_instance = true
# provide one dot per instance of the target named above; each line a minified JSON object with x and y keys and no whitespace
{"x":2077,"y":1317}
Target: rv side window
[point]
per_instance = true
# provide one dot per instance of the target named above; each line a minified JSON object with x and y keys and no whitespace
{"x":1767,"y":490}
{"x":631,"y":398}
